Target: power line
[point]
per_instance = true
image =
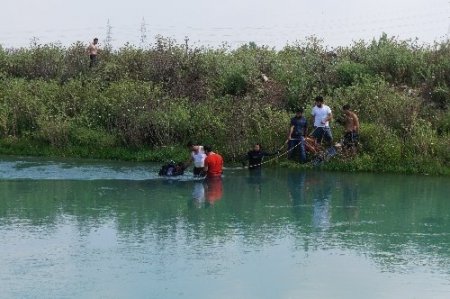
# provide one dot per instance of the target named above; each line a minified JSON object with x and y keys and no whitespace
{"x":333,"y":29}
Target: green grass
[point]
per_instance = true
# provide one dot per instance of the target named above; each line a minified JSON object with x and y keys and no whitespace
{"x":146,"y":104}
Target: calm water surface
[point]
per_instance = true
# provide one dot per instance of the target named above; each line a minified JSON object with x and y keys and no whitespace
{"x":77,"y":229}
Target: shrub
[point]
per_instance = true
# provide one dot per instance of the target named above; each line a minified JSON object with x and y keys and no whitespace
{"x":164,"y":95}
{"x":381,"y":144}
{"x":349,"y":72}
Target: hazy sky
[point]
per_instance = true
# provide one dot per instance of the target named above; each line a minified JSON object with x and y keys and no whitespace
{"x":211,"y":22}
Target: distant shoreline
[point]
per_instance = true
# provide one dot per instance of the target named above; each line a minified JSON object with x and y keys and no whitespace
{"x":146,"y":104}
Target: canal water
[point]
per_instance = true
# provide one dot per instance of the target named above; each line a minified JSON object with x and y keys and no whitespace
{"x":88,"y":229}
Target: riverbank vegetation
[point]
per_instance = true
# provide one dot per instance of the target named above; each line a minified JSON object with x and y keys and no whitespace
{"x":146,"y":103}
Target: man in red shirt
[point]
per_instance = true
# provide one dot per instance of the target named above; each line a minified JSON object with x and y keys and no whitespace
{"x":213,"y":163}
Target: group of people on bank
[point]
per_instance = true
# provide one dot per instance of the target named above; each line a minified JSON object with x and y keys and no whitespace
{"x":321,"y":134}
{"x":300,"y":142}
{"x":210,"y":164}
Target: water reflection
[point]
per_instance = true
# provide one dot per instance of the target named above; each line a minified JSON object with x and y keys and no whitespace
{"x":213,"y":190}
{"x":308,"y":189}
{"x":400,"y":224}
{"x":297,"y":193}
{"x":254,"y":180}
{"x":198,"y":194}
{"x":319,"y":186}
{"x":314,"y":193}
{"x":350,"y":194}
{"x":296,"y":188}
{"x":206,"y":193}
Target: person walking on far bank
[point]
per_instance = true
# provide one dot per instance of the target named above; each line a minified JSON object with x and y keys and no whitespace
{"x":321,"y":117}
{"x":297,"y":133}
{"x":93,"y":52}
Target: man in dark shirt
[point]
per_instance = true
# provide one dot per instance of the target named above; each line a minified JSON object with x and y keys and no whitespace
{"x":255,"y":157}
{"x":297,"y":133}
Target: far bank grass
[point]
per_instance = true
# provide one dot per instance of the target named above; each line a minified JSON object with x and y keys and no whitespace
{"x":38,"y":149}
{"x":146,"y":104}
{"x":359,"y":163}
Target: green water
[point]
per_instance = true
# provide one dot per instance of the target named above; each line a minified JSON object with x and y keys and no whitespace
{"x":77,"y":229}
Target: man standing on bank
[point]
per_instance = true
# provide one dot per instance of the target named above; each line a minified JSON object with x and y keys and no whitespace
{"x":322,"y":116}
{"x":351,"y":126}
{"x":297,"y":133}
{"x":93,"y":52}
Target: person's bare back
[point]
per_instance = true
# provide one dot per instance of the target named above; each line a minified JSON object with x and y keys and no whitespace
{"x":351,"y":122}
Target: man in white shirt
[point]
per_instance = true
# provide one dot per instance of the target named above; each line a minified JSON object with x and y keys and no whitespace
{"x":321,"y":118}
{"x":197,"y":157}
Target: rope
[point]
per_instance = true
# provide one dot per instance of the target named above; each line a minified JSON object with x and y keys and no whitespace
{"x":321,"y":151}
{"x":282,"y":154}
{"x":276,"y":157}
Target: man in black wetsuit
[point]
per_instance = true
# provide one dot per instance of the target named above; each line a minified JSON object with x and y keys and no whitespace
{"x":255,"y":157}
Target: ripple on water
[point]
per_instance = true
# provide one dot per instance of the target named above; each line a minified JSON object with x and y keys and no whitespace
{"x":77,"y":170}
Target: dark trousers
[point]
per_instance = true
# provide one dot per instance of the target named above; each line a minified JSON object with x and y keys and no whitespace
{"x":299,"y":145}
{"x":323,"y":133}
{"x":93,"y":60}
{"x":351,"y":139}
{"x":198,"y":171}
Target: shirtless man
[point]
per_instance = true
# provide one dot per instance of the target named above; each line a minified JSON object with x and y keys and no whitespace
{"x":93,"y":52}
{"x":351,"y":127}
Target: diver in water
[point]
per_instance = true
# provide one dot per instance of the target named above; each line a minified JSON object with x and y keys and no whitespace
{"x":255,"y":157}
{"x":172,"y":169}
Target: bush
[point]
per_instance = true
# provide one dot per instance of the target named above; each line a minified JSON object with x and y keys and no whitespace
{"x":381,"y":144}
{"x":349,"y":72}
{"x":93,"y":138}
{"x":162,"y":96}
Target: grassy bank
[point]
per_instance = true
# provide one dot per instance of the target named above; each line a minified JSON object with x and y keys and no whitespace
{"x":146,"y":104}
{"x":361,"y":163}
